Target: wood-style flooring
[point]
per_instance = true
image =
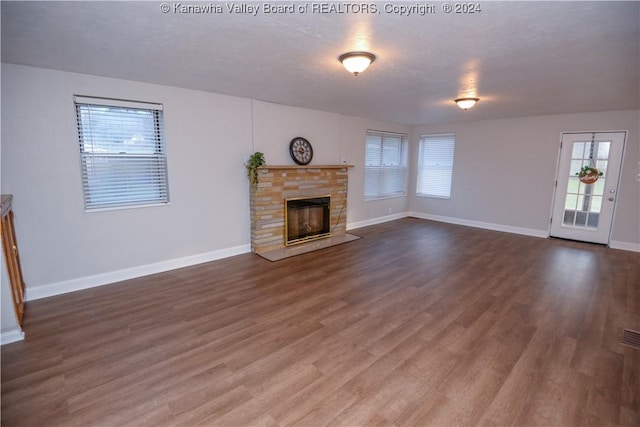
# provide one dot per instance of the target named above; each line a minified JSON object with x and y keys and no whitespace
{"x":418,"y":323}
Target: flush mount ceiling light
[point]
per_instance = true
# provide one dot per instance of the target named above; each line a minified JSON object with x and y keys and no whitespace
{"x":356,"y":62}
{"x":466,"y":103}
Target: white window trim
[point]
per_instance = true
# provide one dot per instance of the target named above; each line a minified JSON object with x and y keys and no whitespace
{"x":160,"y":155}
{"x":420,"y":167}
{"x":404,"y":158}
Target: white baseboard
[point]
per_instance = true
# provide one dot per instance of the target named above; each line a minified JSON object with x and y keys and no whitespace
{"x":479,"y":224}
{"x":87,"y":282}
{"x":11,"y":336}
{"x":625,"y":246}
{"x":374,"y":221}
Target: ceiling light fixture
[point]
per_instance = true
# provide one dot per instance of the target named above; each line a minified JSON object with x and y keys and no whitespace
{"x":356,"y":62}
{"x":466,"y":103}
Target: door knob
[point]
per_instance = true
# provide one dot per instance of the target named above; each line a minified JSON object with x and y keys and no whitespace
{"x":611,"y":199}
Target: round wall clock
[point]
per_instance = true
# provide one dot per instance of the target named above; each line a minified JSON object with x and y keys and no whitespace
{"x":300,"y":150}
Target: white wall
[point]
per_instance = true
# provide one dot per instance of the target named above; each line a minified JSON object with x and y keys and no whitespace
{"x":335,"y":139}
{"x":208,"y":136}
{"x":361,"y":213}
{"x":504,"y":171}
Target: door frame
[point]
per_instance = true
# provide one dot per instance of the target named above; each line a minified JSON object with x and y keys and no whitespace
{"x":555,"y":185}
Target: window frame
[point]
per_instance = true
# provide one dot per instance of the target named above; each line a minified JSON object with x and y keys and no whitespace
{"x":102,"y":184}
{"x":399,"y":171}
{"x":448,"y":137}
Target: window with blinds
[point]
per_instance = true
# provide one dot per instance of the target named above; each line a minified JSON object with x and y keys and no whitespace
{"x":435,"y":165}
{"x":385,"y":165}
{"x":122,"y":151}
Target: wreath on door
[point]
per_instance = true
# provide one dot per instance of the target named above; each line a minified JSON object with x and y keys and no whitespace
{"x":589,"y":175}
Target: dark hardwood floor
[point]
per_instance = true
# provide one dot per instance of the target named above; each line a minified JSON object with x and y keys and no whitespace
{"x":418,"y":323}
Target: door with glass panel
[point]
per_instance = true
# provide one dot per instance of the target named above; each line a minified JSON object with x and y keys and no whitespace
{"x":587,"y":186}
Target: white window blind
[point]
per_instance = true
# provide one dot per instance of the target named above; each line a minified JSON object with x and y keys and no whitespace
{"x":385,"y":165}
{"x":435,"y":165}
{"x":122,"y":151}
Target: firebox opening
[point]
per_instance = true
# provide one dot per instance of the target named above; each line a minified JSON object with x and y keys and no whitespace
{"x":306,"y":219}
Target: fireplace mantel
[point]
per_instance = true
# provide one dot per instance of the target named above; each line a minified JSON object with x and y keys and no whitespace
{"x":279,"y":182}
{"x":305,"y":166}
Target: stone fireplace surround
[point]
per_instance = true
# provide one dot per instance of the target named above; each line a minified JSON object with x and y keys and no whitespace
{"x":279,"y":182}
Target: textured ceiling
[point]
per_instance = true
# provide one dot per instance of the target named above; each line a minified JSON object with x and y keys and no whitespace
{"x":520,"y":58}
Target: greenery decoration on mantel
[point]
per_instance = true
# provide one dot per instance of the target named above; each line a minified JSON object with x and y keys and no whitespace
{"x":255,"y":161}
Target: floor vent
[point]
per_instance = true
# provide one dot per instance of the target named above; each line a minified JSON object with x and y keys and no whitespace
{"x":631,"y":338}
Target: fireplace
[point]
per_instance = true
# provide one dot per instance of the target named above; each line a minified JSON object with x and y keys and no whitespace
{"x":307,"y":218}
{"x":278,"y":183}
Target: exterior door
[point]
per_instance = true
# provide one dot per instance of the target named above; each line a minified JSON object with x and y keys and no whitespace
{"x":587,"y":186}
